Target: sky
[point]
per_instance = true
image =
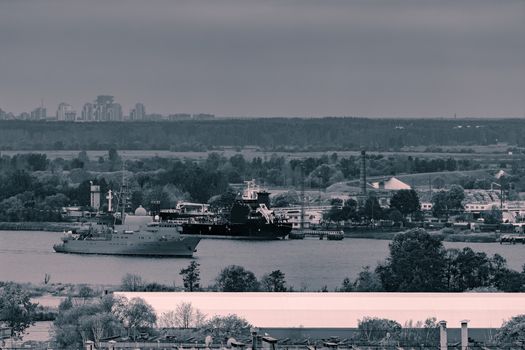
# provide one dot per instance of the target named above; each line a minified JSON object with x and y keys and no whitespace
{"x":305,"y":58}
{"x":339,"y":310}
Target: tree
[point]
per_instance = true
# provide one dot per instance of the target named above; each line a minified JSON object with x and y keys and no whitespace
{"x":494,"y":216}
{"x":274,"y":282}
{"x":416,"y":263}
{"x":16,"y":308}
{"x":236,"y":278}
{"x":191,"y":276}
{"x":135,"y":315}
{"x":368,"y":281}
{"x":396,"y":216}
{"x":512,"y":331}
{"x":468,"y":270}
{"x":223,"y":201}
{"x":221,"y":327}
{"x":374,"y":329}
{"x":184,"y":316}
{"x":445,"y":201}
{"x":99,"y":326}
{"x":406,"y":201}
{"x":90,"y":321}
{"x":285,"y":199}
{"x":132,"y":283}
{"x":372,"y":210}
{"x":113,"y":155}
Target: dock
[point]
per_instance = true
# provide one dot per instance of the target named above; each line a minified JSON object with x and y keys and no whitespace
{"x":512,"y":239}
{"x":319,"y":234}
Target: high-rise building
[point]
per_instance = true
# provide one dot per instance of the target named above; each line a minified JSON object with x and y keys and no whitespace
{"x":115,"y":112}
{"x":3,"y":114}
{"x":87,"y":112}
{"x":103,"y":105}
{"x":71,"y":116}
{"x":138,"y":113}
{"x":65,"y":112}
{"x":24,"y":116}
{"x":39,"y":114}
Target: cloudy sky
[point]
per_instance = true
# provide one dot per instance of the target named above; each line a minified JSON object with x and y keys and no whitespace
{"x":390,"y":58}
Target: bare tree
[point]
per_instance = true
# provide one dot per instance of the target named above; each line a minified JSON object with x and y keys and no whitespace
{"x":132,"y":283}
{"x":184,"y":316}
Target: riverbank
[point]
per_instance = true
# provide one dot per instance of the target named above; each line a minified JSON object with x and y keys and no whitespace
{"x":474,"y":237}
{"x":37,"y":226}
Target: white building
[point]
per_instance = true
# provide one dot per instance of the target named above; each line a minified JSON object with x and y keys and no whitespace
{"x":95,"y":196}
{"x":391,"y":184}
{"x":138,"y":113}
{"x":313,"y":216}
{"x":87,"y":112}
{"x":65,"y":112}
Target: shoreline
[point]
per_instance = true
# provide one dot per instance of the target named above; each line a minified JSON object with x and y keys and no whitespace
{"x":474,"y":237}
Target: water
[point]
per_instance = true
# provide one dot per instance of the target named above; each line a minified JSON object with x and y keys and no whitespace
{"x":26,"y":256}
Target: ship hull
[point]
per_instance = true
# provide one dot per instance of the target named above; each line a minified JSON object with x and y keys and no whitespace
{"x":184,"y":247}
{"x":237,"y":231}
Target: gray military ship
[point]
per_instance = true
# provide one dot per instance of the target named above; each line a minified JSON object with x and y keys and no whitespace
{"x":139,"y":234}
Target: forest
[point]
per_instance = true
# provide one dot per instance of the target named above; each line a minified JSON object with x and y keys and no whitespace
{"x":273,"y":134}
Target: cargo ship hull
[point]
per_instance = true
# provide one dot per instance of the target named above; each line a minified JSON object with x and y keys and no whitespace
{"x":183,"y":247}
{"x":245,"y":231}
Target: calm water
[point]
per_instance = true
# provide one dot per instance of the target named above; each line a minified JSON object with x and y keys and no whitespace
{"x":25,"y":256}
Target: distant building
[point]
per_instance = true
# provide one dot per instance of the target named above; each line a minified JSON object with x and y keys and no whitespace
{"x":87,"y":112}
{"x":155,"y":117}
{"x":24,"y":116}
{"x":115,"y":112}
{"x":426,"y":206}
{"x":3,"y":114}
{"x":203,"y":116}
{"x":179,"y":116}
{"x":392,"y":184}
{"x":65,"y":112}
{"x":138,"y":113}
{"x":102,"y":108}
{"x":39,"y":113}
{"x":95,"y":196}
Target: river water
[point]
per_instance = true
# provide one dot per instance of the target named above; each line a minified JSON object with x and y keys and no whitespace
{"x":26,"y":256}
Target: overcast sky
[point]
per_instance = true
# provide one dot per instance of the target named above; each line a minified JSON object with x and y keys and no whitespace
{"x":409,"y":58}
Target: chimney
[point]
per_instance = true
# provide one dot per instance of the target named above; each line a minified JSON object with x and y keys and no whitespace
{"x":464,"y":334}
{"x":254,"y":332}
{"x":362,"y":181}
{"x":443,"y":335}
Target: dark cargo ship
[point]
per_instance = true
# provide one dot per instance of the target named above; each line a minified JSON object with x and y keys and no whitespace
{"x":249,"y":218}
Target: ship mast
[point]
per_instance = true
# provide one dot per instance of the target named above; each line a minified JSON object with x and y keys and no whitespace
{"x":301,"y":224}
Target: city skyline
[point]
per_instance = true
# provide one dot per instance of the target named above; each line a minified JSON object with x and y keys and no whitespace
{"x":104,"y":108}
{"x":399,"y":58}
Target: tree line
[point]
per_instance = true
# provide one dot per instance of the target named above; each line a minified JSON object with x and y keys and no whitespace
{"x":35,"y":188}
{"x":267,"y":133}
